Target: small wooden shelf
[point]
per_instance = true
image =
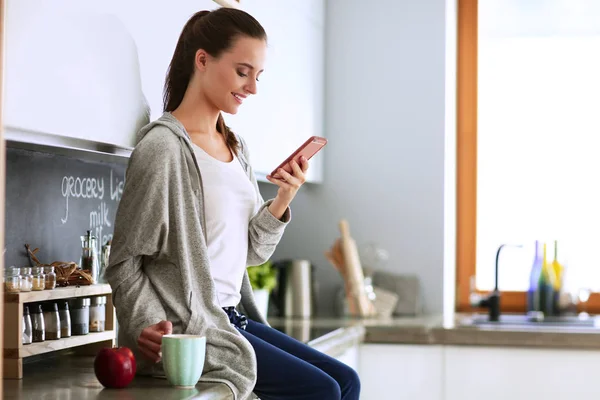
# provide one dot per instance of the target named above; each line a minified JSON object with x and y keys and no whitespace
{"x":58,"y":293}
{"x":15,"y":351}
{"x":60,"y":344}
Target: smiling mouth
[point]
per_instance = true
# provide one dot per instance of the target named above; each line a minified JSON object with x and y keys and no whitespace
{"x":239,"y":98}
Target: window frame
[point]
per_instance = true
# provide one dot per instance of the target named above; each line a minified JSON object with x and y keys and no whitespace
{"x":466,"y":159}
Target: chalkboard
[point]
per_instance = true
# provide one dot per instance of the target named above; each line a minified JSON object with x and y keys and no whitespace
{"x":52,"y":200}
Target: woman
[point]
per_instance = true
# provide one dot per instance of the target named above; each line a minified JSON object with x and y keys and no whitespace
{"x":191,"y":219}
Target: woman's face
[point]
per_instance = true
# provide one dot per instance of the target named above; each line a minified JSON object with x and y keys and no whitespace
{"x":230,"y":78}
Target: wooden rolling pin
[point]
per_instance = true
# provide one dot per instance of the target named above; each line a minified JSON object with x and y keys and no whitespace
{"x":336,"y":258}
{"x":354,"y":270}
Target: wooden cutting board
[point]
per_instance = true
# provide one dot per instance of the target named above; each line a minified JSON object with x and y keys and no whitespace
{"x":385,"y":302}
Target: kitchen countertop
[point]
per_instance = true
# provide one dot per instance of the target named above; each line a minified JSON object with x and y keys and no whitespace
{"x":532,"y":336}
{"x":431,"y":330}
{"x":72,"y":378}
{"x":68,"y":377}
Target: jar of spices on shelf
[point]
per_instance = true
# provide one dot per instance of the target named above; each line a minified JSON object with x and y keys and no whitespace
{"x":37,"y":323}
{"x":38,"y":278}
{"x":26,"y":279}
{"x":50,"y":277}
{"x":65,"y":319}
{"x":89,"y":255}
{"x":12,"y":280}
{"x":97,"y":314}
{"x":51,"y":321}
{"x":27,"y":333}
{"x":80,"y":315}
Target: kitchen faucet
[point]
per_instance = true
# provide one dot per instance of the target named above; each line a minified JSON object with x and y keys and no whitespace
{"x":492,"y":300}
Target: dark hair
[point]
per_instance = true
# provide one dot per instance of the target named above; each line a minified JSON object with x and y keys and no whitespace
{"x":214,"y":32}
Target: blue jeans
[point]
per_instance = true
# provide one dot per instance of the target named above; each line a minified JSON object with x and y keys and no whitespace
{"x":290,"y":369}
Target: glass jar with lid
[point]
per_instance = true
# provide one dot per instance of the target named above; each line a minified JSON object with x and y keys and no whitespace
{"x":65,"y":319}
{"x":27,"y":335}
{"x":26,"y":279}
{"x":51,"y":321}
{"x":50,"y":277}
{"x":12,"y":280}
{"x":89,"y":255}
{"x":39,"y":282}
{"x":80,"y":315}
{"x":97,"y":314}
{"x":37,"y":323}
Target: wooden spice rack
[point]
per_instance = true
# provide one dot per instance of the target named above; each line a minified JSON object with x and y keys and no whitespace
{"x":15,"y":351}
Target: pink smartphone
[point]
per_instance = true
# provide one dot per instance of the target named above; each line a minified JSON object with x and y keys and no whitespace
{"x":308,"y":149}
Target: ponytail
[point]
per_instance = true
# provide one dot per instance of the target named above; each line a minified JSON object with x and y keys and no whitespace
{"x":229,"y":136}
{"x":181,"y":69}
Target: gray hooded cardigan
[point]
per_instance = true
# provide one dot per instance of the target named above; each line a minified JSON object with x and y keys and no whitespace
{"x":159,"y":267}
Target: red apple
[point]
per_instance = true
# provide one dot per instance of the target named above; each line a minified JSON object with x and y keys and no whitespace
{"x":115,"y":367}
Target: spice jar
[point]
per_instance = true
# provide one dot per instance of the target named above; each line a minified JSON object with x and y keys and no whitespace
{"x":80,"y":315}
{"x":12,"y":280}
{"x":51,"y":321}
{"x":65,"y":319}
{"x":89,"y":255}
{"x":97,"y":314}
{"x":27,"y":333}
{"x":38,"y":278}
{"x":50,"y":277}
{"x":26,"y":279}
{"x":37,"y":323}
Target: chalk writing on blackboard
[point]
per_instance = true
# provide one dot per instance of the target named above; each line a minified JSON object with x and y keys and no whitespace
{"x":76,"y":187}
{"x":84,"y":188}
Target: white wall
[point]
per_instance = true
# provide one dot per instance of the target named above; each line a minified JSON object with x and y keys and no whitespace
{"x":385,"y":118}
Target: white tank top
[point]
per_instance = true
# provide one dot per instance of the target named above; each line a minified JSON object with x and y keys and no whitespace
{"x":229,"y":203}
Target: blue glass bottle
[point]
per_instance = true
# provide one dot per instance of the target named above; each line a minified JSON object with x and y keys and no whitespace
{"x":533,"y":298}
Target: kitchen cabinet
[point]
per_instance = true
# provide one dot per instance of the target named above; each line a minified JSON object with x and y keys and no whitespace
{"x":520,"y":373}
{"x":88,"y":71}
{"x":350,"y":357}
{"x":401,"y":372}
{"x":93,"y":72}
{"x":289,"y":106}
{"x":474,"y":372}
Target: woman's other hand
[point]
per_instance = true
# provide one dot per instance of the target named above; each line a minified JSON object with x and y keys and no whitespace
{"x":150,"y":339}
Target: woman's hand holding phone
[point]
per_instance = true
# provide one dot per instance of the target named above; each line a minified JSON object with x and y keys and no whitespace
{"x":291,"y":174}
{"x":288,"y":185}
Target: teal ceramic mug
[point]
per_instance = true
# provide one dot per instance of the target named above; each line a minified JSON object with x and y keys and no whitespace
{"x":183,"y":359}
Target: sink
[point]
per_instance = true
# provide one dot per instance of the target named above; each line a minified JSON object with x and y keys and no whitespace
{"x":522,"y":320}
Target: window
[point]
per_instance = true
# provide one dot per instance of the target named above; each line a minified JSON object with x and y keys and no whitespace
{"x":529,"y":143}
